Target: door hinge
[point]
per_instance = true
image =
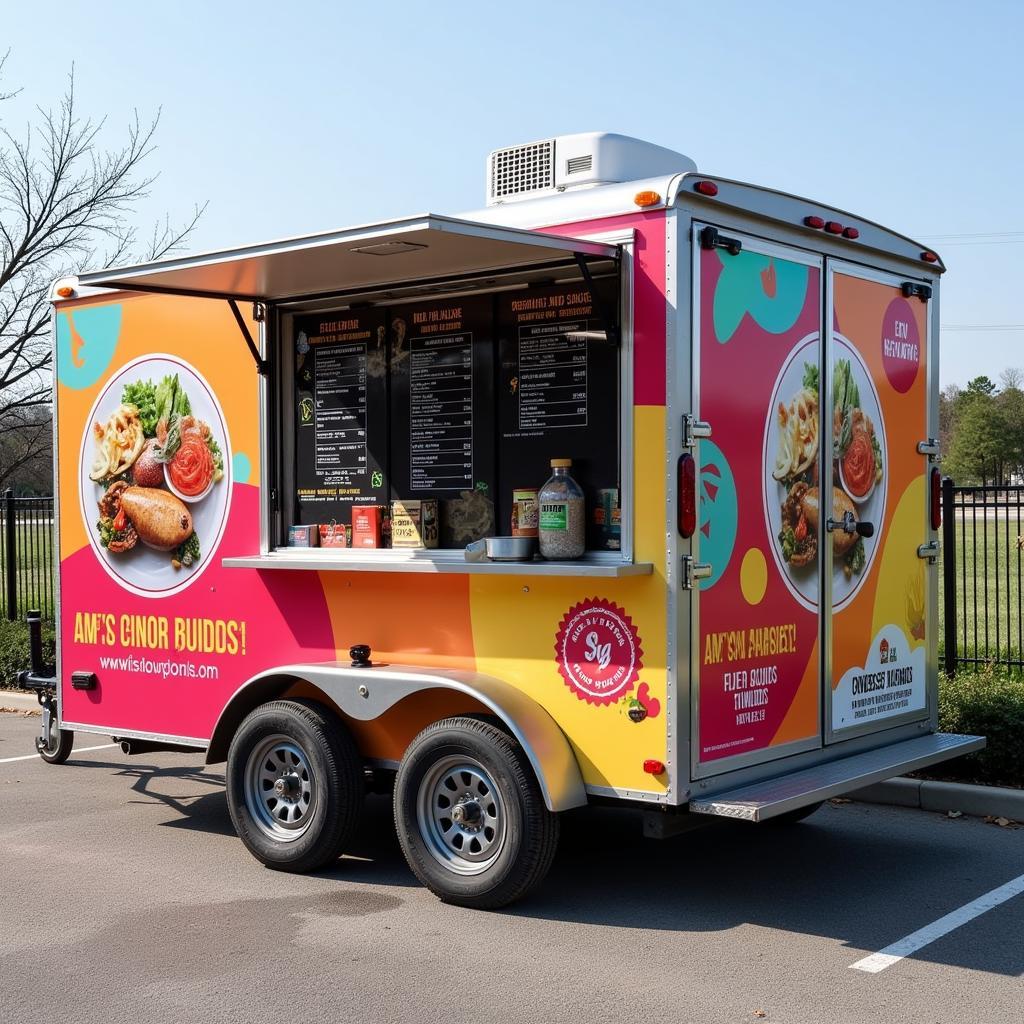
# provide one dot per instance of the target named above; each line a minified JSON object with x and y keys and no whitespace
{"x":711,"y":239}
{"x":929,"y":551}
{"x":931,"y":448}
{"x":693,"y":430}
{"x":694,"y":571}
{"x":922,"y":291}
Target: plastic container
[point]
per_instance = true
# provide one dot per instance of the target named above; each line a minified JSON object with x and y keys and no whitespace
{"x":562,"y":524}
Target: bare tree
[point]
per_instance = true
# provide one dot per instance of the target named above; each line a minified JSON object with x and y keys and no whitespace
{"x":66,"y":202}
{"x":1012,"y":378}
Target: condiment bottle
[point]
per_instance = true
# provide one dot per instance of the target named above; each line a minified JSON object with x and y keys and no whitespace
{"x":562,"y":525}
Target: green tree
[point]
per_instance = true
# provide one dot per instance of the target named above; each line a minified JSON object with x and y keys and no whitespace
{"x":978,"y":448}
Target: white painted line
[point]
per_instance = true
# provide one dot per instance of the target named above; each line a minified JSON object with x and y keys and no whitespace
{"x":943,"y":926}
{"x":36,"y":757}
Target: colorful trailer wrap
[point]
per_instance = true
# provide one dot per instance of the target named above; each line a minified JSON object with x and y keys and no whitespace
{"x":749,"y":404}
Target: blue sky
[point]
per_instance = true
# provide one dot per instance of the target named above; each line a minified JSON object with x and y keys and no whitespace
{"x":300,"y":117}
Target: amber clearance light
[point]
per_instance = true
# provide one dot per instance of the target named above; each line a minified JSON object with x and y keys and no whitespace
{"x":648,"y":197}
{"x":65,"y":291}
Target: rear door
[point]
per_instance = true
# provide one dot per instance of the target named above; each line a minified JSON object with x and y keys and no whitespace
{"x":876,"y":585}
{"x":758,"y":383}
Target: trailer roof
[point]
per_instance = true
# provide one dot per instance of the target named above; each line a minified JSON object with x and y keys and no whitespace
{"x":365,"y":257}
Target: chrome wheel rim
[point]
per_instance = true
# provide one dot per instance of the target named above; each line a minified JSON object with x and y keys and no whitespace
{"x":280,"y":788}
{"x":460,"y":815}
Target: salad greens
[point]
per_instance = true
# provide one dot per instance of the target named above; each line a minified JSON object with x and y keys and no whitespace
{"x":171,"y":399}
{"x":845,"y":399}
{"x":188,"y":553}
{"x":156,"y":402}
{"x":142,"y":394}
{"x":811,"y":377}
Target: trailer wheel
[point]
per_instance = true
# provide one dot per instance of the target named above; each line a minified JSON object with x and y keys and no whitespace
{"x":470,"y":815}
{"x":294,"y":785}
{"x":57,"y":747}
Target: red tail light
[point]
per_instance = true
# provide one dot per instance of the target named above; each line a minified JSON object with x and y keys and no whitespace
{"x":815,"y":222}
{"x":833,"y":227}
{"x":936,"y":498}
{"x":687,"y":496}
{"x":851,"y":233}
{"x":929,"y":257}
{"x":654,"y":767}
{"x":706,"y":188}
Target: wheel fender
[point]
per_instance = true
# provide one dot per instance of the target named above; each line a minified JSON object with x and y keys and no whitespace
{"x":367,"y":693}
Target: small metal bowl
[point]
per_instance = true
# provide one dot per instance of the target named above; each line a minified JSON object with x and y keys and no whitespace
{"x":511,"y":549}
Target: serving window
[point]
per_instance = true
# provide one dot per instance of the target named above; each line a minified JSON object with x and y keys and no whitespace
{"x":413,"y":420}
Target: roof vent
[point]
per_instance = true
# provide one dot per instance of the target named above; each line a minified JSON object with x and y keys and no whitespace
{"x":567,"y":162}
{"x":579,"y":164}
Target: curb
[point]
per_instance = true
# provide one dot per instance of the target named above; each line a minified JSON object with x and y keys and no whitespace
{"x":979,"y":801}
{"x":16,"y":699}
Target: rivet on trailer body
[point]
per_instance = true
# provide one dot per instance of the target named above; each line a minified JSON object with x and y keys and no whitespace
{"x":526,"y":590}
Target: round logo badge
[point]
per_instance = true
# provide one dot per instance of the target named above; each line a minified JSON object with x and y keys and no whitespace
{"x":598,"y":651}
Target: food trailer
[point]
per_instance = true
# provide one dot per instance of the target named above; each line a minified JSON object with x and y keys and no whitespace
{"x":301,"y":486}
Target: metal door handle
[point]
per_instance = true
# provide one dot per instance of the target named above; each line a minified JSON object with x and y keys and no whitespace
{"x":850,"y":525}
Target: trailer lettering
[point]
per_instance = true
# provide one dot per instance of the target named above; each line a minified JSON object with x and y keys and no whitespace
{"x":209,"y":636}
{"x":94,"y":628}
{"x":714,"y":645}
{"x":148,"y":631}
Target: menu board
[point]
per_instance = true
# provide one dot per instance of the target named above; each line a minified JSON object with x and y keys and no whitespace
{"x":341,"y":413}
{"x":558,"y":394}
{"x":442,"y":404}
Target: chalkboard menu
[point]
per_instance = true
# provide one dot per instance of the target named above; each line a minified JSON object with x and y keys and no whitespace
{"x":558,"y":394}
{"x":442,"y":411}
{"x":341,"y":422}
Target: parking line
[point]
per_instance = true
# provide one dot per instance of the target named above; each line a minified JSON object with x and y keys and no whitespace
{"x":33,"y":757}
{"x":943,"y":926}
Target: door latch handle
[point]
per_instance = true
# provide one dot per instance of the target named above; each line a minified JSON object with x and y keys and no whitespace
{"x":694,"y":571}
{"x":850,"y":525}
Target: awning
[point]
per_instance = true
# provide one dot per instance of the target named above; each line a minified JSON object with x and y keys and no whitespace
{"x":356,"y":259}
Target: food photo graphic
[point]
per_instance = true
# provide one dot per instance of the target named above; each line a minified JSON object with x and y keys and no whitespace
{"x":792,"y":484}
{"x":152,"y":474}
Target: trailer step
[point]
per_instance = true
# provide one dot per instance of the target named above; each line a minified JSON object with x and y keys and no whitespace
{"x":769,"y":799}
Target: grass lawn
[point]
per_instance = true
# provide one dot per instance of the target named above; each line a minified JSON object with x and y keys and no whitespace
{"x":34,"y":569}
{"x":989,"y":597}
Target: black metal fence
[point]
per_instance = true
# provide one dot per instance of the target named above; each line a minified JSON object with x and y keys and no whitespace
{"x":982,"y":555}
{"x":26,"y":555}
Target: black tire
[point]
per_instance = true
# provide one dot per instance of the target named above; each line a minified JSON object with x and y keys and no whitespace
{"x":792,"y":817}
{"x":320,"y":771}
{"x":502,"y":792}
{"x":57,"y":749}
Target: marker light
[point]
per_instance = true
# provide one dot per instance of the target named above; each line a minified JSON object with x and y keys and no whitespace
{"x":929,"y":257}
{"x":687,"y":495}
{"x":654,"y":767}
{"x":65,"y":291}
{"x":833,"y":227}
{"x":815,"y":222}
{"x":936,"y":498}
{"x":647,"y":198}
{"x":706,"y":188}
{"x":851,"y":233}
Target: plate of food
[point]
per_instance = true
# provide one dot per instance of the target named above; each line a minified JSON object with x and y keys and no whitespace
{"x":792,"y":485}
{"x":154,"y":475}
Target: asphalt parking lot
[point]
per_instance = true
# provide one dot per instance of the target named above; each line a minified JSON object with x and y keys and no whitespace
{"x":127,"y":898}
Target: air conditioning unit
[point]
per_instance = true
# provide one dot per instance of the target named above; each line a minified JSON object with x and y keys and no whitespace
{"x":585,"y":160}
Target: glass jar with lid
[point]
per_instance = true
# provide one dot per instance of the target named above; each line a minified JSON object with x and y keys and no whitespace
{"x":562,"y":520}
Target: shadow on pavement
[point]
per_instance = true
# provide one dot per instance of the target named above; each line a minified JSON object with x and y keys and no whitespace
{"x":860,"y":875}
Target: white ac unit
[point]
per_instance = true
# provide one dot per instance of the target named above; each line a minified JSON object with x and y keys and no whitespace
{"x":584,"y":160}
